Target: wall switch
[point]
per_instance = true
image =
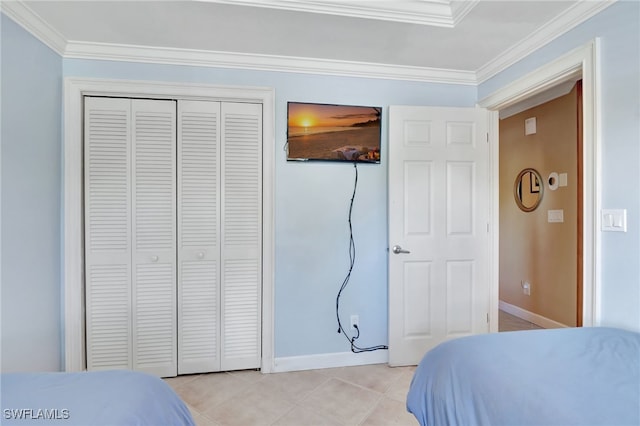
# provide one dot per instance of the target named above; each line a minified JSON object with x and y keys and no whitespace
{"x":614,"y":220}
{"x":526,"y":288}
{"x":562,"y":179}
{"x":530,"y":126}
{"x":355,"y":322}
{"x":555,"y":216}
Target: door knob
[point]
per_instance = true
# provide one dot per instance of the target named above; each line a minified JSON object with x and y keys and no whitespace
{"x":397,"y":250}
{"x":154,"y":258}
{"x":200,"y":255}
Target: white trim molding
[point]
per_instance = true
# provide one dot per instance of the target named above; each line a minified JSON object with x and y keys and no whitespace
{"x":206,"y":58}
{"x":330,"y":360}
{"x":539,"y":99}
{"x":73,"y":276}
{"x":33,"y":23}
{"x":571,"y":18}
{"x":578,"y":13}
{"x":494,"y":221}
{"x":583,"y":62}
{"x":517,"y":311}
{"x":440,"y":13}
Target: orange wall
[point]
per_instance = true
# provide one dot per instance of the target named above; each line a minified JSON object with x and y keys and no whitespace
{"x":531,"y":249}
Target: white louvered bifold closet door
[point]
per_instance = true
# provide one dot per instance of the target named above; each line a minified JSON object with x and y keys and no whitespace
{"x":241,"y":235}
{"x":154,"y":235}
{"x":198,"y":241}
{"x":173,"y":235}
{"x":107,"y":198}
{"x":130,"y":234}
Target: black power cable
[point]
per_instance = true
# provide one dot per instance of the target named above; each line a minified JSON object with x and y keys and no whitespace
{"x":352,"y":260}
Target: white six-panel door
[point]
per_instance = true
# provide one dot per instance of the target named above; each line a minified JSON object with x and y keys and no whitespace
{"x":438,"y":219}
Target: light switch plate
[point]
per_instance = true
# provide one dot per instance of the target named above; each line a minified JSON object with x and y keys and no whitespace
{"x":614,"y":220}
{"x":555,"y":216}
{"x":562,"y":179}
{"x":530,"y":126}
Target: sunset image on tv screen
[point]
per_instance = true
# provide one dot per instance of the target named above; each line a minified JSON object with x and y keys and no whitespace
{"x":333,"y":132}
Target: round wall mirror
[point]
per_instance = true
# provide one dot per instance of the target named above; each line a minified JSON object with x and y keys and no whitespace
{"x":528,"y":190}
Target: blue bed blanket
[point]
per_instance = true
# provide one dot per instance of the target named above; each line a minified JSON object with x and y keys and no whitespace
{"x":573,"y":376}
{"x":90,"y":398}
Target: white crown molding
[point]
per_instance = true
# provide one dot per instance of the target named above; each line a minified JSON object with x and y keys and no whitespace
{"x":571,"y":18}
{"x":460,"y":9}
{"x":440,"y":13}
{"x":204,"y":58}
{"x":33,"y":23}
{"x":580,"y":12}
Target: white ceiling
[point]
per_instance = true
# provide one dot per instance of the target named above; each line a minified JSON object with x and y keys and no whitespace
{"x":431,"y":40}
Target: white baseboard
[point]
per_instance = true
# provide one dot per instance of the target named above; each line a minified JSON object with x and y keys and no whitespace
{"x":331,"y":360}
{"x":530,"y":316}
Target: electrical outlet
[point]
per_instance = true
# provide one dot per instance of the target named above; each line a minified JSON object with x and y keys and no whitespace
{"x":526,"y":288}
{"x":355,"y":322}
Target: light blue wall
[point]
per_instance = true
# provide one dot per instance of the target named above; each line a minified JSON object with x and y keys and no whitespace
{"x":311,"y":199}
{"x":31,"y":200}
{"x":618,"y":28}
{"x":312,"y":202}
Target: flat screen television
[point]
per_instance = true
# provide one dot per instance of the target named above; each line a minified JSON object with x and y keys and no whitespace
{"x":326,"y":132}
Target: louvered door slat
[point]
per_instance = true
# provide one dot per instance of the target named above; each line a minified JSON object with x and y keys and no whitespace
{"x":108,"y":320}
{"x":241,"y":164}
{"x":107,"y":233}
{"x":198,"y":243}
{"x":154,"y":236}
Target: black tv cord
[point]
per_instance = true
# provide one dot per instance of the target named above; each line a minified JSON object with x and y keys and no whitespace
{"x":352,"y":260}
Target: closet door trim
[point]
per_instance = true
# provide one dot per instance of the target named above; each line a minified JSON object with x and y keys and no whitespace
{"x":75,"y":89}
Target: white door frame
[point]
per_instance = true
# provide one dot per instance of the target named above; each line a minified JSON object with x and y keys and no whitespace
{"x":73,"y":246}
{"x":581,"y":61}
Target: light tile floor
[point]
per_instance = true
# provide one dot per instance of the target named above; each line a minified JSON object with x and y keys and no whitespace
{"x":369,"y":395}
{"x":508,"y":322}
{"x":363,"y":395}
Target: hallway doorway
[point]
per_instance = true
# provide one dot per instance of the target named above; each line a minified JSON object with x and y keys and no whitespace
{"x":540,"y":262}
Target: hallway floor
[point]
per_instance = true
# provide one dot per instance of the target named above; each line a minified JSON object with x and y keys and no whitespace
{"x":508,"y":322}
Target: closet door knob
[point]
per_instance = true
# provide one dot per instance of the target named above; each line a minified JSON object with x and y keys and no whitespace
{"x":200,"y":255}
{"x":154,"y":258}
